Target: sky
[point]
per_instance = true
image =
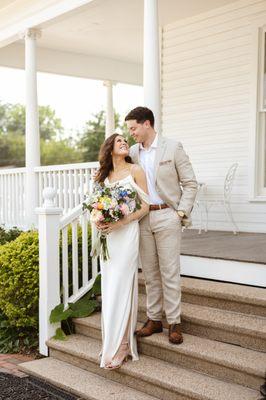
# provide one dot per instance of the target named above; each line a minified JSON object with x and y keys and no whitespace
{"x":75,"y":100}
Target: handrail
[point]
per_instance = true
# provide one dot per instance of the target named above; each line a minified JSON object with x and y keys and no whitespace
{"x":71,"y":216}
{"x":9,"y":171}
{"x":64,"y":167}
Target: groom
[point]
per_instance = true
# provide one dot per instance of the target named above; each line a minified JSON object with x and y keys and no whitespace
{"x":172,"y":189}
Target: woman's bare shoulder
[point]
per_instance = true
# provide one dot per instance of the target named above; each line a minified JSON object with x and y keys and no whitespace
{"x":136,"y":169}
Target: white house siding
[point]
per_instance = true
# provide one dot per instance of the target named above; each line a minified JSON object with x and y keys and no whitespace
{"x":207,"y":101}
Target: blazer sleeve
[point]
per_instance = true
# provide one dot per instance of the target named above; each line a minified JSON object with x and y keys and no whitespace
{"x":187,"y":180}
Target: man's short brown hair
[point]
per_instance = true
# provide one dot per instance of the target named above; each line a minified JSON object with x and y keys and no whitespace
{"x":141,"y":114}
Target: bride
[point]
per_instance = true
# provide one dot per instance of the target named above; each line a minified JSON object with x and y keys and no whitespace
{"x":120,"y":271}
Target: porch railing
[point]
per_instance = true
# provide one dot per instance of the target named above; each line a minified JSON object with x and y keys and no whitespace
{"x":71,"y":182}
{"x":12,"y":197}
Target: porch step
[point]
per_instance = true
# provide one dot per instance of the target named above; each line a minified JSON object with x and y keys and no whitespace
{"x":80,"y":382}
{"x":150,"y":375}
{"x":222,"y":360}
{"x":222,"y":325}
{"x":226,"y":296}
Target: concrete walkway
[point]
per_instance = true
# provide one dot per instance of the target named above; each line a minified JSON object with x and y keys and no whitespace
{"x":9,"y":363}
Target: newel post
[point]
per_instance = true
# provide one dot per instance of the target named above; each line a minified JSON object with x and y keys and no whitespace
{"x":49,"y":273}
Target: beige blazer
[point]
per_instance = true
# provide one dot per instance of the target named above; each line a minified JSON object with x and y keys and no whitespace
{"x":175,"y":181}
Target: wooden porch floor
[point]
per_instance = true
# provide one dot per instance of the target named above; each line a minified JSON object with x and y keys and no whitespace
{"x":245,"y":246}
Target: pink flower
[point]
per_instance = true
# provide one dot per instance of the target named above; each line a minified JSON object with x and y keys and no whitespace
{"x":96,"y":216}
{"x":124,"y":209}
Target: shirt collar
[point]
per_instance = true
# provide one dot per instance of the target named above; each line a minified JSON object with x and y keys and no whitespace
{"x":154,"y":144}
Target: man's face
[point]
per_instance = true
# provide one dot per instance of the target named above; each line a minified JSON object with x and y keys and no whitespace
{"x":138,"y":131}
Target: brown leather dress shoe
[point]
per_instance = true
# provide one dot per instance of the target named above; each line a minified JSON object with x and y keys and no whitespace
{"x":175,"y":335}
{"x":149,"y":328}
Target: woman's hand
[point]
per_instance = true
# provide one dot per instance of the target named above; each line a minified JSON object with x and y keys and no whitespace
{"x":111,"y":226}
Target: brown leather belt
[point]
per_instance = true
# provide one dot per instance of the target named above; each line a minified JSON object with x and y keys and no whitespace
{"x":154,"y":207}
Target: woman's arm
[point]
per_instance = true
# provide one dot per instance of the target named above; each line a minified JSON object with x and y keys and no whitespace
{"x":140,"y":179}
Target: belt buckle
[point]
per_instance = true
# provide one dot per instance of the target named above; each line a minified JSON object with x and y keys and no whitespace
{"x":160,"y":207}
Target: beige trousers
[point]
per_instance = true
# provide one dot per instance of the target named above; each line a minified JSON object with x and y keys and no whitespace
{"x":160,"y":236}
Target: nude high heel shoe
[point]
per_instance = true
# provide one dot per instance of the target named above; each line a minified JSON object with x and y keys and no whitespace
{"x":120,"y":358}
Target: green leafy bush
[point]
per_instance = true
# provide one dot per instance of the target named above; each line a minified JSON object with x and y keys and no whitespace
{"x":19,"y":287}
{"x":7,"y":235}
{"x":13,"y":340}
{"x":19,"y":280}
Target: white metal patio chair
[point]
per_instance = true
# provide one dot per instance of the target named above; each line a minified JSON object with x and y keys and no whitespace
{"x":225,"y":200}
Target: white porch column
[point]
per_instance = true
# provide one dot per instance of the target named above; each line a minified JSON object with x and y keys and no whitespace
{"x":110,"y":116}
{"x":32,"y":127}
{"x":151,"y":61}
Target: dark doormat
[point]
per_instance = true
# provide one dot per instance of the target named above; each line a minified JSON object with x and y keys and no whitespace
{"x":29,"y":388}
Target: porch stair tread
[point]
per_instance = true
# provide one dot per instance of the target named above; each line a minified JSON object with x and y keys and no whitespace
{"x":220,"y":290}
{"x":214,"y":317}
{"x":151,"y":371}
{"x":228,"y":355}
{"x":79,"y":381}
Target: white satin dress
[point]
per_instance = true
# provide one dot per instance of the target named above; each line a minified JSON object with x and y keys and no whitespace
{"x":120,"y":284}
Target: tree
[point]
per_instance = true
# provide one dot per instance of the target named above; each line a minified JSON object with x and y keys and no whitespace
{"x":12,"y":120}
{"x":59,"y":152}
{"x":12,"y":137}
{"x":93,"y":135}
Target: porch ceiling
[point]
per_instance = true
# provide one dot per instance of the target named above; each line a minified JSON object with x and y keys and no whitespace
{"x":114,"y":28}
{"x":107,"y":32}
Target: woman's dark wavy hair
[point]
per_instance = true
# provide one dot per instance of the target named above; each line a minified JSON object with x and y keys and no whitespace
{"x":105,"y":158}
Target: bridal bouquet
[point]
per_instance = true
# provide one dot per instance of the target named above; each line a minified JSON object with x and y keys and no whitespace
{"x":109,"y":204}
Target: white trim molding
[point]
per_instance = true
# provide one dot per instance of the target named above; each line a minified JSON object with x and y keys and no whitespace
{"x":224,"y":270}
{"x":257,"y":189}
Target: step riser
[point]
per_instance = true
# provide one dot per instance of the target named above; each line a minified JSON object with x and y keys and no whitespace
{"x":222,"y":304}
{"x":241,"y":339}
{"x":185,"y":360}
{"x":134,"y":382}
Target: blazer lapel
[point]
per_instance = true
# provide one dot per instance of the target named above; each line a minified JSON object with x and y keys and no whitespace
{"x":159,"y":153}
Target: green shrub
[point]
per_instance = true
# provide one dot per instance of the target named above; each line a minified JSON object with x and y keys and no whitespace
{"x":19,"y":280}
{"x":19,"y":286}
{"x":13,"y":340}
{"x":6,"y":235}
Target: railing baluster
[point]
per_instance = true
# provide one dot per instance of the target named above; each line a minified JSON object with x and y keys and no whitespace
{"x":76,"y":188}
{"x":40,"y":183}
{"x":85,"y":260}
{"x":65,"y":265}
{"x":55,"y":185}
{"x":60,"y":189}
{"x":81,"y":184}
{"x":74,"y":226}
{"x":65,"y":192}
{"x":70,"y":179}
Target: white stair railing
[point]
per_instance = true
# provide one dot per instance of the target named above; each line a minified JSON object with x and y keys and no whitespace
{"x":65,"y":276}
